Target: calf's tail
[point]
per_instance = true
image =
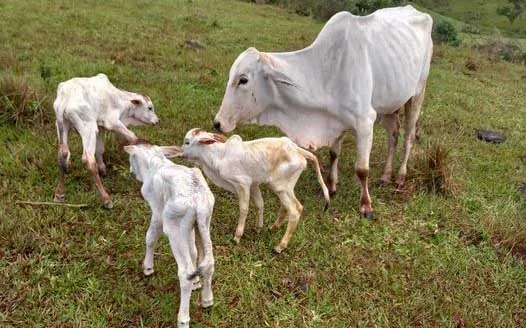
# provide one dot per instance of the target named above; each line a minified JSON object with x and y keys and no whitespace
{"x":310,"y":156}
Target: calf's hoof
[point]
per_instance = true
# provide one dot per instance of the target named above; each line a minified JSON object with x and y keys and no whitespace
{"x":237,"y":239}
{"x":207,"y":303}
{"x":183,"y":324}
{"x":59,"y":198}
{"x":108,"y":204}
{"x":148,"y":271}
{"x":399,"y":188}
{"x":278,"y":249}
{"x":332,"y":193}
{"x":258,"y":230}
{"x":196,"y":284}
{"x":384,"y":182}
{"x":368,"y":215}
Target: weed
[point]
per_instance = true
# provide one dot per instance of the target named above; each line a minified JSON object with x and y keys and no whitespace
{"x":434,"y":169}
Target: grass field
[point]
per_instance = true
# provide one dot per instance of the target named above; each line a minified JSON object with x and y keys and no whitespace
{"x":428,"y":260}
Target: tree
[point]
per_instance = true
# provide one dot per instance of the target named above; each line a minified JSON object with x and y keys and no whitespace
{"x":512,"y":11}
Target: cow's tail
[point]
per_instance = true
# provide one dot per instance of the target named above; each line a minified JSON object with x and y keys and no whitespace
{"x":310,"y":156}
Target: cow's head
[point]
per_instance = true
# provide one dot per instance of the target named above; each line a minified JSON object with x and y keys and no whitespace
{"x":140,"y":158}
{"x":252,"y":85}
{"x":196,"y":139}
{"x":140,"y":112}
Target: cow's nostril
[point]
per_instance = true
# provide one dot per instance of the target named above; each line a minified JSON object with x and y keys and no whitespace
{"x":217,"y":126}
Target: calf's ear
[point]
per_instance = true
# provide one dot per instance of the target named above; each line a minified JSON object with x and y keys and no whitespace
{"x":219,"y":137}
{"x":206,"y":141}
{"x":130,"y":149}
{"x":136,"y":102}
{"x":171,"y":151}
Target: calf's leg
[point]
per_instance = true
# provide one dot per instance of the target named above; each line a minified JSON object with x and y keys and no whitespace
{"x":255,"y":194}
{"x":294,"y":210}
{"x":63,"y":158}
{"x":153,"y":234}
{"x":243,"y":193}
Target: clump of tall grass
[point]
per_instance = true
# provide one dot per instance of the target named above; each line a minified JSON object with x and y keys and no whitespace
{"x":434,"y":170}
{"x":22,"y":105}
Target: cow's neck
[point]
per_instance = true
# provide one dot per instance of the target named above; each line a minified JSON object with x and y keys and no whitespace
{"x":304,"y":106}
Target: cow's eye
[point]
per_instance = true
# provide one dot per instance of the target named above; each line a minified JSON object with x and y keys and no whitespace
{"x":186,"y":142}
{"x":243,"y":80}
{"x":150,"y":108}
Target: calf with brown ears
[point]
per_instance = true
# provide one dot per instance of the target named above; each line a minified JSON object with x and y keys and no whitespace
{"x":240,"y":167}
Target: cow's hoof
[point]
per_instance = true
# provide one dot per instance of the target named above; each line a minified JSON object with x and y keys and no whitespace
{"x":207,"y":304}
{"x":237,"y":239}
{"x":108,"y":204}
{"x":148,"y":271}
{"x":277,"y":250}
{"x":368,"y":215}
{"x":59,"y":198}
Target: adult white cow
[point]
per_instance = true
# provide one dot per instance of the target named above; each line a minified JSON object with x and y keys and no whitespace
{"x":357,"y":69}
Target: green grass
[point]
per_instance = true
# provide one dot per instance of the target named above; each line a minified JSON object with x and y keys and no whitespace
{"x":427,"y":260}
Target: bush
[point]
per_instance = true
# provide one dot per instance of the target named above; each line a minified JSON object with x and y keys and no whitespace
{"x":445,"y":32}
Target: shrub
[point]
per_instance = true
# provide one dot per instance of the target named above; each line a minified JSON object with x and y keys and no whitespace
{"x":445,"y":32}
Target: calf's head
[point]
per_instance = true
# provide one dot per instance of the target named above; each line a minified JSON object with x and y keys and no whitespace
{"x":141,"y":158}
{"x":140,"y":112}
{"x":253,"y":83}
{"x":196,"y":141}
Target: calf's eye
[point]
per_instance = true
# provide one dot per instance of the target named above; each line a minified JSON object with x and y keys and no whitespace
{"x":243,"y":80}
{"x":150,"y":108}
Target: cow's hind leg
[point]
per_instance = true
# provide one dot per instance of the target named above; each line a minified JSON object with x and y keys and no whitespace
{"x":63,"y":157}
{"x":332,"y":178}
{"x":412,"y":113}
{"x":99,"y":153}
{"x":392,"y":126}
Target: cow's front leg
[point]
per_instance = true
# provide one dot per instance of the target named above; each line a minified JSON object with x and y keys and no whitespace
{"x":243,"y":193}
{"x":89,"y":143}
{"x":332,"y":179}
{"x":364,"y":140}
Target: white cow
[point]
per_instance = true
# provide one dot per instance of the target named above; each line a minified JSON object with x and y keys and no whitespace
{"x":357,"y":69}
{"x":180,"y":201}
{"x":91,"y":105}
{"x":241,"y":166}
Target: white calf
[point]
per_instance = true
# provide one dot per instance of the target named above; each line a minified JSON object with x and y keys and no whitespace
{"x":180,"y":200}
{"x":240,"y":167}
{"x":87,"y":104}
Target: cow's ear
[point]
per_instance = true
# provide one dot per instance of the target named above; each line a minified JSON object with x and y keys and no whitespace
{"x":136,"y":102}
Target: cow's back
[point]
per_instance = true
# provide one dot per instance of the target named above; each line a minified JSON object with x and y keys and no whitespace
{"x":388,"y":52}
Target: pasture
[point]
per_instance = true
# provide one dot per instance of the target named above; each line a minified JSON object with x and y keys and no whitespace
{"x":451,"y":259}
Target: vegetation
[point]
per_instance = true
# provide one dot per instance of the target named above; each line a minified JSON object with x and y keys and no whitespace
{"x":512,"y":11}
{"x":450,"y":259}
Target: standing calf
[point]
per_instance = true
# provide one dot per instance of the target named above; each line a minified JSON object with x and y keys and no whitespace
{"x":87,"y":104}
{"x":180,"y":200}
{"x":240,"y":167}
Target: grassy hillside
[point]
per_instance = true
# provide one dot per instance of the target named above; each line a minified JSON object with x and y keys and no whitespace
{"x":480,"y":13}
{"x":428,"y":260}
